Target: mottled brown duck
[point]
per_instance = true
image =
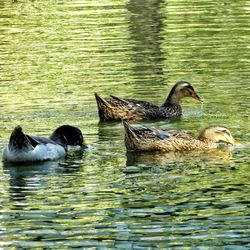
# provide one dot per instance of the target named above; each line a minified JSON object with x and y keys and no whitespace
{"x":116,"y":108}
{"x":152,"y":139}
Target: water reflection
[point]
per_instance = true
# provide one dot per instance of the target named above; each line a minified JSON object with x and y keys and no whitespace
{"x":145,"y":27}
{"x":26,"y":178}
{"x":217,"y":156}
{"x":55,"y":55}
{"x":109,"y":130}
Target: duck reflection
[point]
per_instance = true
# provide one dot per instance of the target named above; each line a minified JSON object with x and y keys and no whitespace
{"x":110,"y":131}
{"x":216,"y":156}
{"x":24,"y":179}
{"x":21,"y":176}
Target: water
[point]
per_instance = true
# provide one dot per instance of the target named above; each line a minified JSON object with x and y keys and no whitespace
{"x":55,"y":54}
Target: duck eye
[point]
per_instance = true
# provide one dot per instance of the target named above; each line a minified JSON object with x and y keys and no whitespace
{"x":224,"y":131}
{"x":189,"y":89}
{"x":65,"y":138}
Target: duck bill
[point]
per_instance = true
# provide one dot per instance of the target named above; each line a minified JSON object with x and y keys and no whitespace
{"x":196,"y":96}
{"x":83,"y":144}
{"x":236,"y":143}
{"x":233,"y":142}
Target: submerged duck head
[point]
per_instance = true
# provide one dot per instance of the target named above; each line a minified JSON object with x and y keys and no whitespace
{"x":217,"y":134}
{"x":28,"y":148}
{"x":181,"y":90}
{"x":68,"y":135}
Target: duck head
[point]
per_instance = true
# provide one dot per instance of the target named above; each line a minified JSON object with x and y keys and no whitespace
{"x":217,"y":134}
{"x":68,"y":135}
{"x":181,"y":90}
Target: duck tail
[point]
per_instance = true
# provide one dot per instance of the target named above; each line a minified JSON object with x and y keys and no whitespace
{"x":101,"y":101}
{"x":19,"y":141}
{"x":131,"y":138}
{"x":103,"y":107}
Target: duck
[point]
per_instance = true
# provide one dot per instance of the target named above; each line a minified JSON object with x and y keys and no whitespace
{"x":153,"y":139}
{"x":116,"y":108}
{"x":28,"y":148}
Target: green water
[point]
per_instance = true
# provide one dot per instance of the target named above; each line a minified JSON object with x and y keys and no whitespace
{"x":55,"y":54}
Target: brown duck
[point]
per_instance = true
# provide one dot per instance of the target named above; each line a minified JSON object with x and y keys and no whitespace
{"x":116,"y":108}
{"x":152,"y":139}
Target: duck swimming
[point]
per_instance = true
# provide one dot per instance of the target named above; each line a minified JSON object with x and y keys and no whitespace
{"x":152,"y":139}
{"x":27,"y":148}
{"x":116,"y":108}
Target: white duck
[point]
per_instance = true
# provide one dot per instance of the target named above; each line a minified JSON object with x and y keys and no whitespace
{"x":27,"y":148}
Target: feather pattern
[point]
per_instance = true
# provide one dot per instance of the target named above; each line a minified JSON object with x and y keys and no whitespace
{"x":116,"y":108}
{"x":152,"y":139}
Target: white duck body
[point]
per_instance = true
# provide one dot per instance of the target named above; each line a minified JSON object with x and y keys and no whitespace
{"x":26,"y":148}
{"x":41,"y":152}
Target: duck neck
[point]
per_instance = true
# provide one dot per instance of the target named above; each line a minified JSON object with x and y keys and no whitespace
{"x":209,"y":143}
{"x":172,"y":99}
{"x":59,"y":140}
{"x":172,"y":105}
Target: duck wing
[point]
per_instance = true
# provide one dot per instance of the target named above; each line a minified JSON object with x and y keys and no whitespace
{"x":160,"y":134}
{"x":138,"y":103}
{"x":20,"y":141}
{"x":180,"y":134}
{"x":36,"y":140}
{"x":150,"y":133}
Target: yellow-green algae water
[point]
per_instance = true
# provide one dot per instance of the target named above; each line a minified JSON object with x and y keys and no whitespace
{"x":55,"y":54}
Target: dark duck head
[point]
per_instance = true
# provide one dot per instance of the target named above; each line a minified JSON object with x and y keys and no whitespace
{"x":68,"y":135}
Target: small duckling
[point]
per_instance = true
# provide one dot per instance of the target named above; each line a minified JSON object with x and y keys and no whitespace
{"x":117,"y":108}
{"x":152,"y":139}
{"x":28,"y":148}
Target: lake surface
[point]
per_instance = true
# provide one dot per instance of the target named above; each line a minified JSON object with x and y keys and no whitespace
{"x":55,"y":54}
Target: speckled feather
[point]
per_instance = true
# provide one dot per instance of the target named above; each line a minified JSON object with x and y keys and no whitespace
{"x":116,"y":108}
{"x":152,"y":139}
